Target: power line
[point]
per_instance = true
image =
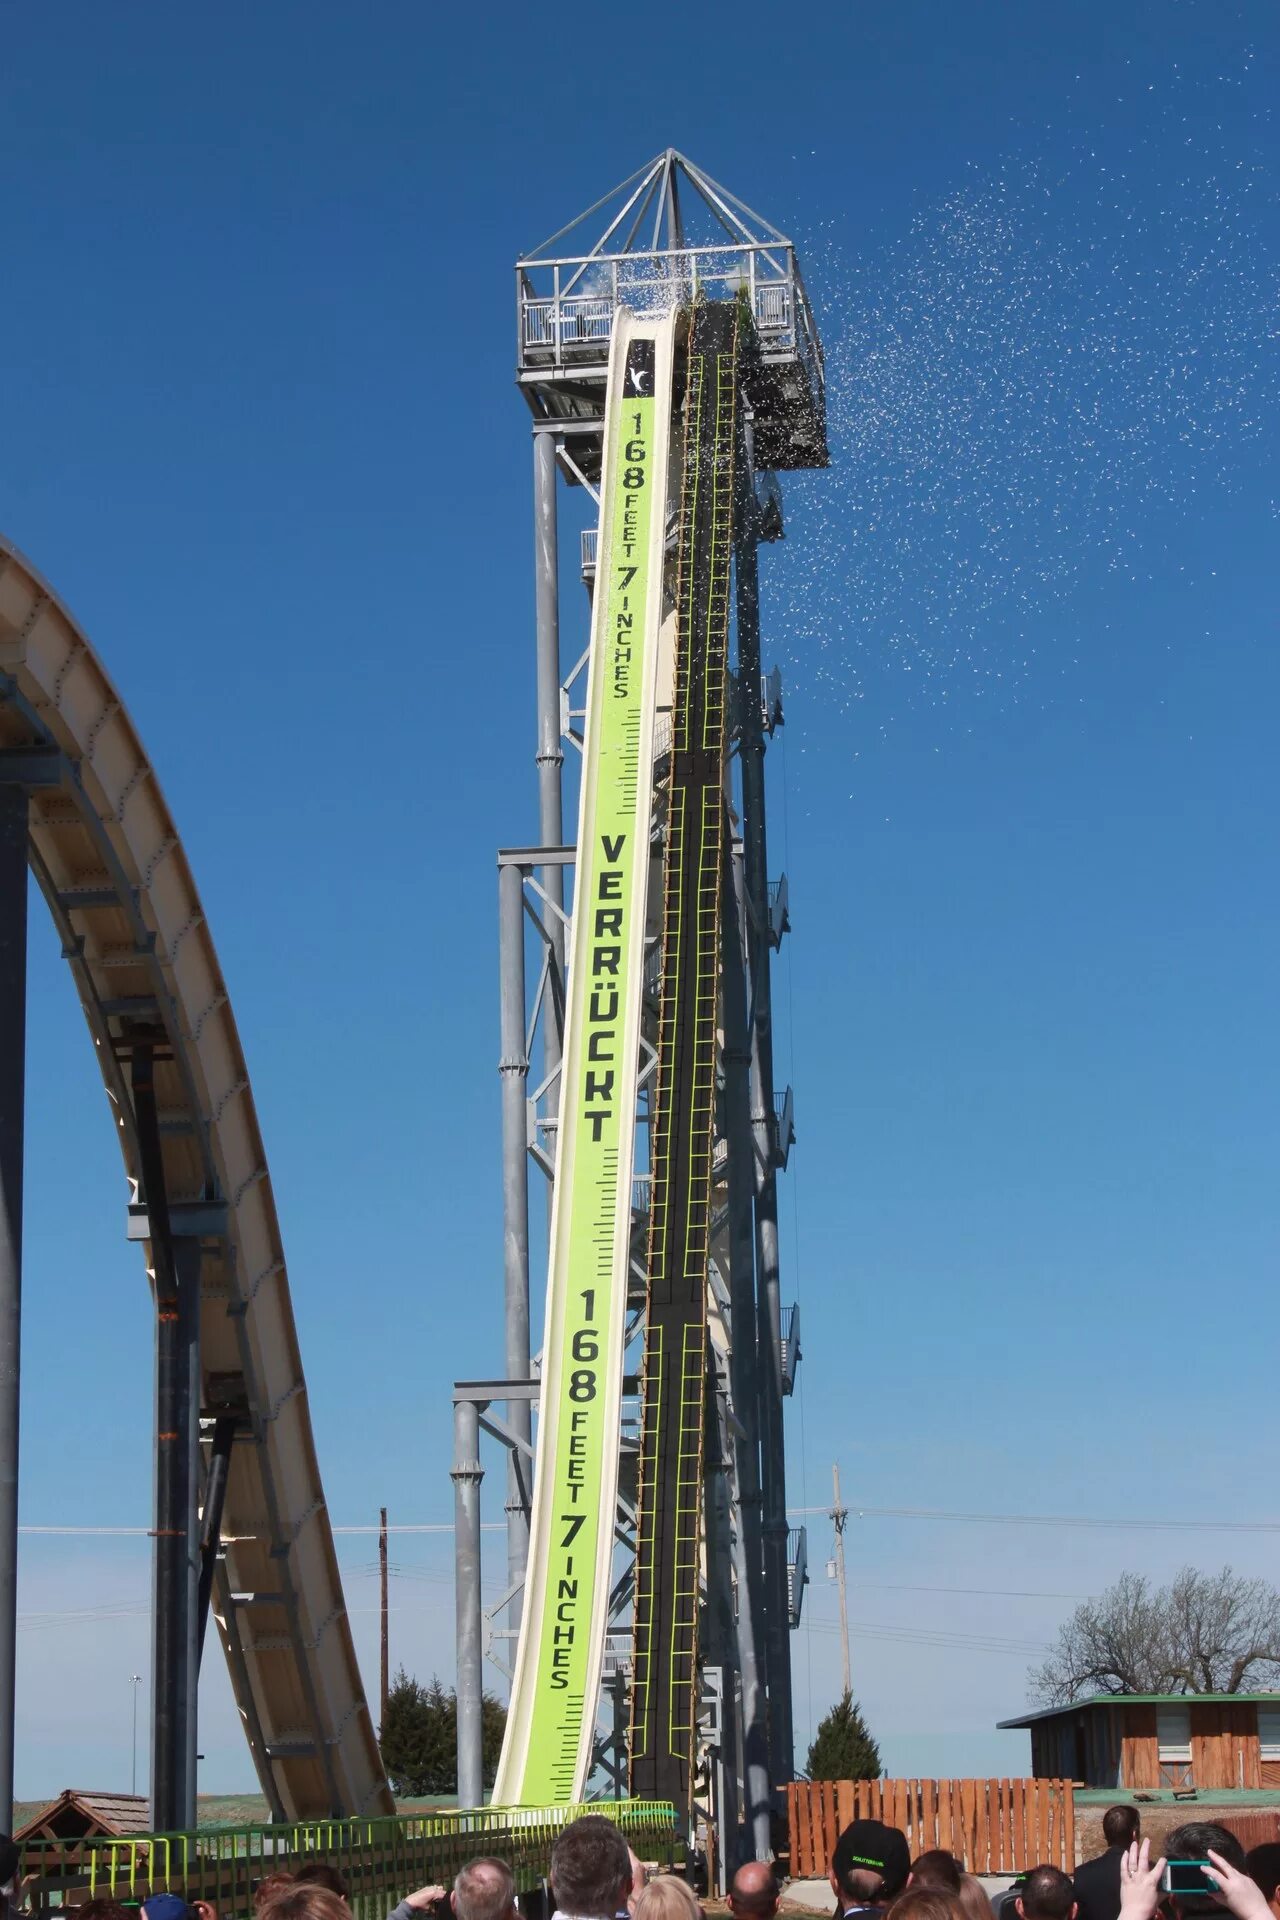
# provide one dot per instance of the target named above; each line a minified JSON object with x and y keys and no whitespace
{"x":1129,"y":1522}
{"x":996,"y":1593}
{"x":931,"y":1637}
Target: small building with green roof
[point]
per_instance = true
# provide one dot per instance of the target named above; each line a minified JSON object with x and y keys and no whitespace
{"x":1184,"y":1742}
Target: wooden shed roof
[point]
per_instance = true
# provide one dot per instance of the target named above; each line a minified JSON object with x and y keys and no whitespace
{"x":107,"y":1813}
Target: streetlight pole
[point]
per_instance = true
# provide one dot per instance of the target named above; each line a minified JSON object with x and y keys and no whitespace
{"x":839,"y":1515}
{"x":137,"y":1681}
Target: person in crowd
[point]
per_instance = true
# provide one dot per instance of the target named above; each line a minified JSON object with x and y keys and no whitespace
{"x":591,"y":1870}
{"x":869,"y":1867}
{"x":10,"y":1873}
{"x":669,"y":1897}
{"x":302,"y":1900}
{"x":1046,"y":1894}
{"x":421,"y":1901}
{"x":270,"y":1884}
{"x":753,"y":1892}
{"x":319,"y":1873}
{"x":1141,"y":1878}
{"x":1262,"y":1864}
{"x":639,"y":1876}
{"x":1097,"y":1881}
{"x":974,"y":1904}
{"x":936,"y":1868}
{"x":172,"y":1906}
{"x":104,"y":1909}
{"x":485,"y":1889}
{"x":926,"y":1903}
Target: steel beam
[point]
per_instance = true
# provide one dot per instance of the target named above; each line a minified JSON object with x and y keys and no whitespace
{"x":466,"y":1474}
{"x":514,"y":1069}
{"x":13,"y":1053}
{"x":175,"y":1562}
{"x":748,"y":1555}
{"x":755,"y":854}
{"x":550,"y":756}
{"x":215,"y":1494}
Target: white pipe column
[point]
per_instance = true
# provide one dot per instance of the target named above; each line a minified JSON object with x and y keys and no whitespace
{"x":514,"y":1069}
{"x":466,"y":1474}
{"x":13,"y":1054}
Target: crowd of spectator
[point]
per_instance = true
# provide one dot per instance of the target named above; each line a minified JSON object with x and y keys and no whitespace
{"x":1203,"y":1874}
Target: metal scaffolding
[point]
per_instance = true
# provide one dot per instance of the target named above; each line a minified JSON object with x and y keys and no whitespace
{"x":669,"y":232}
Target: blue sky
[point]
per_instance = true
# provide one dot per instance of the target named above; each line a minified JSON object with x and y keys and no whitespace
{"x":260,"y":430}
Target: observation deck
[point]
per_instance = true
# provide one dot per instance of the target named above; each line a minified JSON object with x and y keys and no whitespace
{"x":672,"y":234}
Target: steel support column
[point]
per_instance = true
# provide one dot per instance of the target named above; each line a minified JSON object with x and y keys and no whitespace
{"x":466,"y":1474}
{"x":550,"y":751}
{"x":748,"y":1560}
{"x":176,"y":1559}
{"x":215,"y":1494}
{"x":514,"y":1069}
{"x":773,"y":1473}
{"x":13,"y":1053}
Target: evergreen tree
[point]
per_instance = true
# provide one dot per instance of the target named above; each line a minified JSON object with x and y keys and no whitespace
{"x":419,"y":1737}
{"x":842,"y":1747}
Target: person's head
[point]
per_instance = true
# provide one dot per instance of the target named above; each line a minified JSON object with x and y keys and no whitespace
{"x":1047,"y":1894}
{"x":318,"y":1873}
{"x":1192,"y":1842}
{"x":926,"y":1903}
{"x":104,"y":1910}
{"x":303,"y":1900}
{"x":669,"y":1897}
{"x":166,"y":1906}
{"x":936,"y":1868}
{"x":1121,"y":1826}
{"x":1262,"y":1864}
{"x":484,"y":1890}
{"x":753,"y":1894}
{"x":870,"y":1864}
{"x":270,"y":1884}
{"x":974,"y":1904}
{"x":591,"y":1869}
{"x":10,"y":1863}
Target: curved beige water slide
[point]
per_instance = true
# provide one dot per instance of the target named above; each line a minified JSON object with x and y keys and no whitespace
{"x":111,"y":866}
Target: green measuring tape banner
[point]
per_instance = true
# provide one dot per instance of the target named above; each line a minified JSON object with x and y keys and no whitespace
{"x":551,"y":1720}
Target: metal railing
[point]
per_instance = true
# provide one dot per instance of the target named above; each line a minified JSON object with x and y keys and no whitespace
{"x":779,"y":910}
{"x":790,"y":1348}
{"x":797,"y":1572}
{"x":784,"y":1125}
{"x":381,"y":1860}
{"x":566,"y":307}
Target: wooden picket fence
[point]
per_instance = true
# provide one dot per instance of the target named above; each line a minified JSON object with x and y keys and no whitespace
{"x":993,"y":1826}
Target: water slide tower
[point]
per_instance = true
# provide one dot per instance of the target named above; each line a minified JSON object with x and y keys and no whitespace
{"x":669,"y":324}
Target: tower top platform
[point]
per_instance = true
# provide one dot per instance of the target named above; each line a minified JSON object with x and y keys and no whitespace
{"x":661,"y":237}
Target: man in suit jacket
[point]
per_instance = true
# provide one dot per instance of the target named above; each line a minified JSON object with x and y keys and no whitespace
{"x":1097,"y":1881}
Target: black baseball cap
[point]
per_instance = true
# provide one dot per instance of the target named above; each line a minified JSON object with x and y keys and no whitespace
{"x":10,"y":1855}
{"x":871,"y":1845}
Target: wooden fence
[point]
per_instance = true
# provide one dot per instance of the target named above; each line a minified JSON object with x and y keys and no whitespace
{"x":993,"y":1826}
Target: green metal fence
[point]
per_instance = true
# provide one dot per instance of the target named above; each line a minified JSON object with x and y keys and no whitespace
{"x":381,"y":1860}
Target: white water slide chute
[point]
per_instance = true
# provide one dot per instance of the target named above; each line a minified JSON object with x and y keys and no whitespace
{"x":547,"y":1752}
{"x":109,"y":862}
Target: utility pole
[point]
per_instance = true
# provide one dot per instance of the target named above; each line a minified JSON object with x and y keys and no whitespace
{"x":382,"y":1570}
{"x":839,"y":1515}
{"x":135,"y":1682}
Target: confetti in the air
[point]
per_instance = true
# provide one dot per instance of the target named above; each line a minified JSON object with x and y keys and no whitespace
{"x":1058,"y":362}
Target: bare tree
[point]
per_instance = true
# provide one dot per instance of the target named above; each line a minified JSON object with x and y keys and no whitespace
{"x":1205,"y":1633}
{"x":1225,"y":1630}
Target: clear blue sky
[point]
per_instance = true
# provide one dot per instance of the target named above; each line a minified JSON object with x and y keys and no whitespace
{"x":260,"y":430}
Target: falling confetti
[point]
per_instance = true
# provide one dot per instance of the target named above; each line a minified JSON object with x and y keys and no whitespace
{"x":1056,"y":363}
